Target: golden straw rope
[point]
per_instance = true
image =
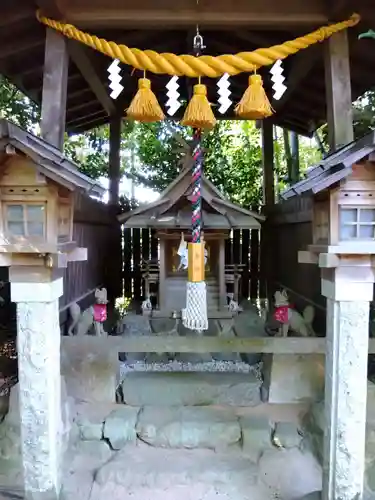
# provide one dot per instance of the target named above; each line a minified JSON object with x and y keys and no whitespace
{"x":191,"y":66}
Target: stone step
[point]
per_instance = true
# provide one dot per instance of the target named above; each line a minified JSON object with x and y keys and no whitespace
{"x":190,"y":389}
{"x":148,"y":473}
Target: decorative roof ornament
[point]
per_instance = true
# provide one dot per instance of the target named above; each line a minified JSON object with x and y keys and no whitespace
{"x":224,"y":93}
{"x":278,"y":80}
{"x":115,"y":78}
{"x":368,"y":34}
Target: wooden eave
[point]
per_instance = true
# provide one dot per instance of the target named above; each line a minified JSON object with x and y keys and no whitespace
{"x":227,"y":27}
{"x":333,"y":168}
{"x":168,"y":208}
{"x":48,"y":159}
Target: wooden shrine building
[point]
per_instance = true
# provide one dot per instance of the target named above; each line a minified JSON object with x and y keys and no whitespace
{"x":170,"y":216}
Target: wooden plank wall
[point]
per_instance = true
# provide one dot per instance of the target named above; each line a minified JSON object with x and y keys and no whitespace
{"x":98,"y":231}
{"x":138,"y":244}
{"x":291,"y":229}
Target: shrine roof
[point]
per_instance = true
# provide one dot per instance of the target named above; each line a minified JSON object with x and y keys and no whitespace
{"x":172,"y":209}
{"x":333,"y":168}
{"x":169,"y":26}
{"x":48,"y":159}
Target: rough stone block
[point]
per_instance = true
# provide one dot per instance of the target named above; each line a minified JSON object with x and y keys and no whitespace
{"x":89,"y":375}
{"x":291,"y":473}
{"x":293,"y":378}
{"x":86,"y":456}
{"x":78,"y":484}
{"x":119,"y":426}
{"x":90,"y":420}
{"x":191,"y":389}
{"x":256,"y":436}
{"x":185,"y":427}
{"x":287,"y":435}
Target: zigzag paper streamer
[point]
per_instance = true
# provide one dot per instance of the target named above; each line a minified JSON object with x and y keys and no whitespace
{"x":115,"y":79}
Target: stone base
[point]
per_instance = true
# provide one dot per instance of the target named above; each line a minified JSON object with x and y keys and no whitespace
{"x":293,"y":378}
{"x":190,"y":389}
{"x":90,"y":375}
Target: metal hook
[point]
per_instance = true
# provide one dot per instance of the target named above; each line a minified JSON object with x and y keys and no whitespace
{"x":198,"y":41}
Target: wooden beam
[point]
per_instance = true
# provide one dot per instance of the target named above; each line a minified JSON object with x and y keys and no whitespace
{"x":53,"y":8}
{"x":80,"y":129}
{"x":170,"y":343}
{"x":338,"y":91}
{"x":16,"y":14}
{"x":9,"y":49}
{"x":55,"y":82}
{"x":81,"y":57}
{"x":78,"y":122}
{"x":79,"y":93}
{"x":82,"y":105}
{"x":302,"y":65}
{"x":171,"y":18}
{"x":114,"y":159}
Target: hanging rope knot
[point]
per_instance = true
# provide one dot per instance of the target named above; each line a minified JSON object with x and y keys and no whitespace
{"x":255,"y":80}
{"x":144,"y":83}
{"x":200,"y":89}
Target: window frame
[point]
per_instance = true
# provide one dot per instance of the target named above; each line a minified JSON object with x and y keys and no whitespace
{"x":25,"y":220}
{"x":357,"y":224}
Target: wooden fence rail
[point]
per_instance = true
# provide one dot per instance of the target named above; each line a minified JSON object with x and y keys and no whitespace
{"x":98,"y":231}
{"x":269,"y":345}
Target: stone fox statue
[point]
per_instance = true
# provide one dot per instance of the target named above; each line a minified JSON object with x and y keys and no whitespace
{"x":93,"y":316}
{"x":290,"y":319}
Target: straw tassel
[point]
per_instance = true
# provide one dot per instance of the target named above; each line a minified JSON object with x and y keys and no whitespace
{"x":254,"y":104}
{"x":199,"y":114}
{"x":144,"y":106}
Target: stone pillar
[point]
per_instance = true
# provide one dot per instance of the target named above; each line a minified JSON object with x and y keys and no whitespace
{"x":348,"y":289}
{"x":38,"y":343}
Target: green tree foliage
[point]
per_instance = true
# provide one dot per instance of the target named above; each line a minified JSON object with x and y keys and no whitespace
{"x":16,"y":107}
{"x":364,"y":114}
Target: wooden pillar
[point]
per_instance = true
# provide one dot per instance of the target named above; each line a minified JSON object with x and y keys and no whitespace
{"x":338,"y":91}
{"x":55,"y":82}
{"x":221,"y":270}
{"x":268,"y":161}
{"x":266,"y":258}
{"x":162,"y":276}
{"x":294,"y":147}
{"x":114,"y":159}
{"x":115,"y":256}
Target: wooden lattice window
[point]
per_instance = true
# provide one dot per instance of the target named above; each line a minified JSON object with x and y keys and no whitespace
{"x":357,"y":223}
{"x":25,"y":219}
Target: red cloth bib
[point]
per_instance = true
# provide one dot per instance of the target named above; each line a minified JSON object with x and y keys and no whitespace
{"x":282,"y":314}
{"x":100,"y":313}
